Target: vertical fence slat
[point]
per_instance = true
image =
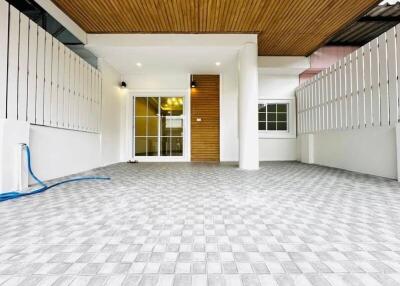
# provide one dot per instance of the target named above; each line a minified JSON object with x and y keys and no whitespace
{"x":354,"y":91}
{"x":47,"y":79}
{"x":60,"y":86}
{"x":77,"y":91}
{"x":348,"y":92}
{"x":54,"y":84}
{"x":72,"y":76}
{"x":360,"y":90}
{"x":343,"y":123}
{"x":66,"y":91}
{"x":4,"y":11}
{"x":32,"y":66}
{"x":392,"y":59}
{"x":335,"y":94}
{"x":383,"y":80}
{"x":81,"y":94}
{"x":99,"y":102}
{"x":311,"y":103}
{"x":23,"y":67}
{"x":40,"y":80}
{"x":368,"y":86}
{"x":317,"y":103}
{"x":12,"y":92}
{"x":375,"y":83}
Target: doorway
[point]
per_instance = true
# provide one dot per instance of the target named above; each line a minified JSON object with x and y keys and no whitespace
{"x":158,"y":127}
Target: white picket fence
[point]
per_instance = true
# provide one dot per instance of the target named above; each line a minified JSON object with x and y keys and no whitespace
{"x":42,"y":81}
{"x":359,"y":91}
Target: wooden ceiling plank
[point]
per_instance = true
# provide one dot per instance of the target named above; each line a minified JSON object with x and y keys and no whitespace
{"x":295,"y":27}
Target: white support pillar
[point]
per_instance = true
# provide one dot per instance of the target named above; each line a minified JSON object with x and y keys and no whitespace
{"x":248,"y":107}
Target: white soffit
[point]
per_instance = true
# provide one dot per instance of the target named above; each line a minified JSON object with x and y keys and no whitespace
{"x":168,"y":53}
{"x":283,"y":65}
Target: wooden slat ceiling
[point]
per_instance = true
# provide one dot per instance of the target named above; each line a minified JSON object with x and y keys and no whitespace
{"x":285,"y":27}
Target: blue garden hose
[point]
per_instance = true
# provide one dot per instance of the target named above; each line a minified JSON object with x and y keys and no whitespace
{"x":14,"y":195}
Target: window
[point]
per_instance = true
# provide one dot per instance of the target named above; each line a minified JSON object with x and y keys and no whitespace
{"x":273,"y":117}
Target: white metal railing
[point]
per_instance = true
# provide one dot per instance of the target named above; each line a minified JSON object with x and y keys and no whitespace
{"x":41,"y":80}
{"x":359,"y":91}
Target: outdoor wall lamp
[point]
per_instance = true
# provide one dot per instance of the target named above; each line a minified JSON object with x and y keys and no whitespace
{"x":193,"y":83}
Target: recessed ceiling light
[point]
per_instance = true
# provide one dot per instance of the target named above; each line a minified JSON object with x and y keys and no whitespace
{"x":218,"y":64}
{"x":139,"y":65}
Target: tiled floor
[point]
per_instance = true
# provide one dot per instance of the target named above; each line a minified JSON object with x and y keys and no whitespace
{"x":199,"y":224}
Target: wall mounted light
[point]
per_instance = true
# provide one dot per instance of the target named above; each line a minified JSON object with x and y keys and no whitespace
{"x":193,"y":83}
{"x":139,"y":65}
{"x":123,"y":84}
{"x":218,"y":64}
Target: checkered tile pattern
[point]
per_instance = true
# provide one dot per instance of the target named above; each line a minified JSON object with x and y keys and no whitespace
{"x":205,"y":224}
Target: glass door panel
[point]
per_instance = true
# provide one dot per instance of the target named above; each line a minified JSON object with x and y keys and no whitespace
{"x":158,"y":124}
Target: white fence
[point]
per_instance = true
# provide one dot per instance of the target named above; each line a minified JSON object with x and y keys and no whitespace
{"x":42,"y":81}
{"x":359,"y":91}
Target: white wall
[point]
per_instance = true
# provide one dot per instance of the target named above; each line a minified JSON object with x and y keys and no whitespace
{"x":61,"y":152}
{"x":370,"y":151}
{"x":278,"y":87}
{"x":112,"y":107}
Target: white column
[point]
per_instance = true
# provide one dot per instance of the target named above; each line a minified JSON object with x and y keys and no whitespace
{"x":248,"y":107}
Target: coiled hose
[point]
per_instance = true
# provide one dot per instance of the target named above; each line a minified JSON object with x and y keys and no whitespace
{"x":44,"y":187}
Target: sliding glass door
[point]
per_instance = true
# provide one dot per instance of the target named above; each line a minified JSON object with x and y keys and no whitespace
{"x":158,"y":126}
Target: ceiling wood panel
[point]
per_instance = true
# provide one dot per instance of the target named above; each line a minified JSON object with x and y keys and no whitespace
{"x":285,"y":27}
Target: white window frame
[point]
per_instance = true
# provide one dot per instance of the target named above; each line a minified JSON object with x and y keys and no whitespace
{"x":290,"y":133}
{"x":185,"y":93}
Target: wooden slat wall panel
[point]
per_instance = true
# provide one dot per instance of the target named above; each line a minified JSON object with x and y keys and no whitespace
{"x":205,"y":105}
{"x":4,"y":9}
{"x":41,"y":80}
{"x":362,"y":89}
{"x":296,"y":27}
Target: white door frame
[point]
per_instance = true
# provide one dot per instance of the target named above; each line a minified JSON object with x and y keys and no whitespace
{"x":185,"y":93}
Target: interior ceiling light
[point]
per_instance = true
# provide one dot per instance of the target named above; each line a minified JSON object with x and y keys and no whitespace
{"x":218,"y":64}
{"x":123,"y":84}
{"x":139,"y":65}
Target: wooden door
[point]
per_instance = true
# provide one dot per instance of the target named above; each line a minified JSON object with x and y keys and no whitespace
{"x":205,"y":118}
